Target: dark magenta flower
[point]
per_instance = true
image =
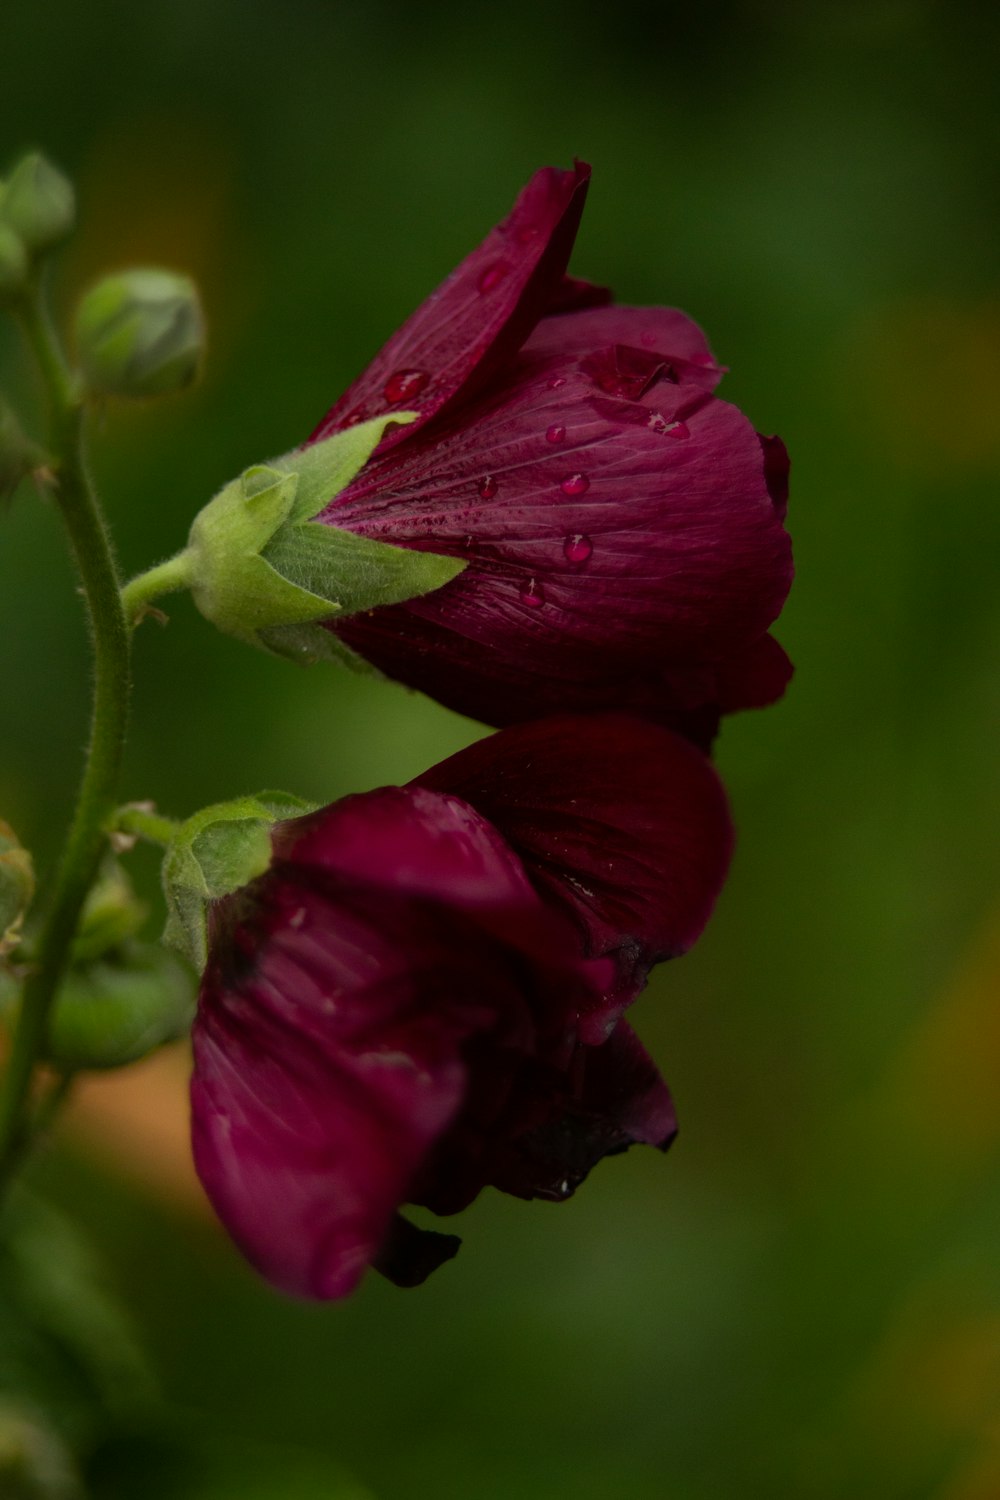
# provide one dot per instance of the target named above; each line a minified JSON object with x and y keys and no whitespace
{"x":414,"y":1002}
{"x":621,"y":526}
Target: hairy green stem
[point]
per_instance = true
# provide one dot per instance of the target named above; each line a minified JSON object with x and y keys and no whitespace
{"x":166,"y":578}
{"x":97,"y":800}
{"x":151,"y":826}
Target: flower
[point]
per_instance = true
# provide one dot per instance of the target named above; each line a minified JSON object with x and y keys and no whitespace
{"x":412,"y":1002}
{"x":621,"y":526}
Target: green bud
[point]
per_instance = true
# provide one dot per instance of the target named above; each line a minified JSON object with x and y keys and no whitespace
{"x":140,"y":333}
{"x":13,"y":264}
{"x":261,"y":569}
{"x":215,"y":852}
{"x":112,"y":914}
{"x":113,"y":1011}
{"x":38,"y":203}
{"x":17,"y":886}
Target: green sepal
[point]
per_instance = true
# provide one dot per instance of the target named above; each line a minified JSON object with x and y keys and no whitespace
{"x":17,"y":886}
{"x":215,"y":852}
{"x":262,"y":570}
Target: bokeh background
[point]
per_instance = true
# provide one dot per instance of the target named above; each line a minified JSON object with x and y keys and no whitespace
{"x":803,"y":1299}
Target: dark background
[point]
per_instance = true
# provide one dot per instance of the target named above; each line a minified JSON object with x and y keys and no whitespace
{"x":803,"y":1298}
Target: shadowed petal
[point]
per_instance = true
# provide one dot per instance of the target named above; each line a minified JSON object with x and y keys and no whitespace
{"x":620,"y":823}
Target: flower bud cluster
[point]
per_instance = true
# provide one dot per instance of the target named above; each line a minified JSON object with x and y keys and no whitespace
{"x":37,"y":212}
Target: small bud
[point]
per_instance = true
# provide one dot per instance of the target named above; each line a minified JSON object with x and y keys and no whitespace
{"x":112,"y":914}
{"x":38,"y":204}
{"x":13,"y":264}
{"x":140,"y":333}
{"x":215,"y":852}
{"x":17,"y":886}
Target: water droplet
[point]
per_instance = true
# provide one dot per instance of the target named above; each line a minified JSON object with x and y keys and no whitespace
{"x":531,"y":594}
{"x":492,"y":277}
{"x":556,"y":434}
{"x":487,"y":487}
{"x":468,"y":543}
{"x":558,"y":383}
{"x":575,"y":484}
{"x":404,"y":385}
{"x":578,"y":549}
{"x":659,"y":424}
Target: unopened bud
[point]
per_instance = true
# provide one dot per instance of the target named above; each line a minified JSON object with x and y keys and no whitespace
{"x":140,"y":333}
{"x":13,"y":263}
{"x":38,"y":204}
{"x":17,"y":886}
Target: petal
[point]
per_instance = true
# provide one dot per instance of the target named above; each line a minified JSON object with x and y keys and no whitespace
{"x":618,"y":550}
{"x":478,"y":317}
{"x":616,"y":1099}
{"x":334,"y":1023}
{"x":428,"y":845}
{"x":619,"y":823}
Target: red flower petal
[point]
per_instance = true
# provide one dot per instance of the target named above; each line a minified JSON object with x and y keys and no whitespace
{"x":619,"y":550}
{"x":341,"y":997}
{"x":621,"y":824}
{"x":479,"y":316}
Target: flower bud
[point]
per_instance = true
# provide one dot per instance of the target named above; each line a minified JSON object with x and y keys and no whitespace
{"x":112,"y":914}
{"x":38,"y":203}
{"x":13,"y":263}
{"x":140,"y":333}
{"x":17,"y":886}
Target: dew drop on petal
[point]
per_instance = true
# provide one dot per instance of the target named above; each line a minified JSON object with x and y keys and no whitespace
{"x":403,"y":385}
{"x":487,"y":487}
{"x":491,"y":277}
{"x":575,"y":484}
{"x":578,"y":548}
{"x":531,"y":594}
{"x":555,"y":434}
{"x":558,"y":383}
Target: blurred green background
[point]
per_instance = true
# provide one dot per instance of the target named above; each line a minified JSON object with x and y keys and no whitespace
{"x":803,"y":1299}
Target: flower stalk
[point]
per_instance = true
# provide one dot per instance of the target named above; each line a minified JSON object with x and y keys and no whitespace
{"x":91,"y":547}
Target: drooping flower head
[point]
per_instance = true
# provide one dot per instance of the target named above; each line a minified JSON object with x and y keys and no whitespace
{"x":530,"y":502}
{"x":621,"y":526}
{"x":422,"y":994}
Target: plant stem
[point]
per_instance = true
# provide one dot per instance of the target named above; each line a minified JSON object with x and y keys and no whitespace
{"x":166,"y":578}
{"x":97,"y":800}
{"x":151,"y":826}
